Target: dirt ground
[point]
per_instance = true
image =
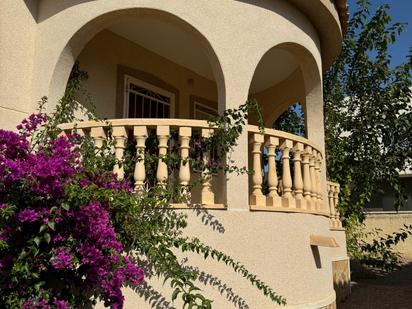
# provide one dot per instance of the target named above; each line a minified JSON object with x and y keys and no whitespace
{"x":382,"y":291}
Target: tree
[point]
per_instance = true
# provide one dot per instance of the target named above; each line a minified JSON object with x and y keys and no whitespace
{"x":368,"y":121}
{"x":291,"y":121}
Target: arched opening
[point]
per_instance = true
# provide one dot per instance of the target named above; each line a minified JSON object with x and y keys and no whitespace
{"x":144,"y":63}
{"x":285,"y":82}
{"x":287,"y":86}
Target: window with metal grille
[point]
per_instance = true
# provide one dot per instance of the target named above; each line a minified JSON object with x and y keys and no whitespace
{"x":144,"y":100}
{"x":204,"y":112}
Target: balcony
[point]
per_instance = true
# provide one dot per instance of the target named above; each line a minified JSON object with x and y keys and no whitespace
{"x":297,"y":187}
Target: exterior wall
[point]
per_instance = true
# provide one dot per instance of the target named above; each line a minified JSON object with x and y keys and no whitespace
{"x":17,"y":37}
{"x":274,"y":246}
{"x":381,"y":214}
{"x":390,"y":222}
{"x":340,"y":266}
{"x":102,"y":64}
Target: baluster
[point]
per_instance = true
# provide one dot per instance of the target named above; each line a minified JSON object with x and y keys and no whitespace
{"x":75,"y":130}
{"x":140,"y":135}
{"x":98,"y":136}
{"x":307,"y":183}
{"x":314,"y":194}
{"x":287,"y":199}
{"x":64,"y":133}
{"x":81,"y":133}
{"x":257,"y":198}
{"x":336,"y":201}
{"x":207,"y":195}
{"x":184,"y":171}
{"x":317,"y":180}
{"x":318,"y":170}
{"x":273,"y":198}
{"x":120,"y":136}
{"x":162,"y":173}
{"x":331,"y":204}
{"x":297,"y":176}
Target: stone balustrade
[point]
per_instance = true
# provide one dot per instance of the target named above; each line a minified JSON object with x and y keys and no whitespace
{"x":287,"y":169}
{"x":297,"y":186}
{"x":333,"y":200}
{"x":137,"y":130}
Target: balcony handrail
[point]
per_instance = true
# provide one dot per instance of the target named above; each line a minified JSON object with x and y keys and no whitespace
{"x":285,"y":135}
{"x":300,"y":187}
{"x":132,"y":122}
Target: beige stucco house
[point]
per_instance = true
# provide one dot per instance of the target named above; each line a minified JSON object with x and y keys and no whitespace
{"x":163,"y":64}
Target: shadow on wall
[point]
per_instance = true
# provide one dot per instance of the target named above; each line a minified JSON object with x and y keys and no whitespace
{"x":316,"y":256}
{"x":157,"y":300}
{"x":154,"y":298}
{"x":52,"y":7}
{"x":209,"y":280}
{"x":33,"y":8}
{"x":209,"y":220}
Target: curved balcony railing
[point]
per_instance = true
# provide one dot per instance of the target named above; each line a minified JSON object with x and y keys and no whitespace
{"x":333,"y":199}
{"x":287,"y":168}
{"x":290,"y":177}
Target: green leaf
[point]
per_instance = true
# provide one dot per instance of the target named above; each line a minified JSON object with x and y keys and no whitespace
{"x":52,"y":225}
{"x":42,"y":228}
{"x":175,"y":294}
{"x":47,"y":237}
{"x":65,"y":206}
{"x":37,"y":240}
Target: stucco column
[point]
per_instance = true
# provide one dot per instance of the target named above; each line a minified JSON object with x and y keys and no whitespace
{"x":237,"y":186}
{"x":316,"y":131}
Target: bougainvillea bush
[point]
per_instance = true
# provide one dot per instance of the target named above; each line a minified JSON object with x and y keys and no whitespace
{"x":58,"y":246}
{"x":72,"y":234}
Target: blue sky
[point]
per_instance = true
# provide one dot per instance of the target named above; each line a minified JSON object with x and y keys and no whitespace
{"x":401,"y":11}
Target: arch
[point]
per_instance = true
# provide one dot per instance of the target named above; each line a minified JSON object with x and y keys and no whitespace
{"x":302,"y":83}
{"x":84,"y":33}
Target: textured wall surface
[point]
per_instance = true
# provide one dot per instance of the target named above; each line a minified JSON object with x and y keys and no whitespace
{"x":390,"y":222}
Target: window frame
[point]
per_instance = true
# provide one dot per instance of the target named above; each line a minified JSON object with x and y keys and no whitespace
{"x":138,"y":82}
{"x":205,"y":107}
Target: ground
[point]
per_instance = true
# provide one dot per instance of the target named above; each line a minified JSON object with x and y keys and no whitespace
{"x":382,"y":291}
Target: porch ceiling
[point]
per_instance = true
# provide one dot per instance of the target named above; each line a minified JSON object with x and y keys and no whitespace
{"x":170,"y":41}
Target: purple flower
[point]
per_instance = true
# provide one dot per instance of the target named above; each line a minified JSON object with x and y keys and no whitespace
{"x":35,"y":304}
{"x":63,"y":259}
{"x":57,"y":238}
{"x":60,"y":304}
{"x":134,"y":274}
{"x":27,"y":215}
{"x":6,"y":262}
{"x":85,"y":232}
{"x":28,"y":304}
{"x":30,"y":124}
